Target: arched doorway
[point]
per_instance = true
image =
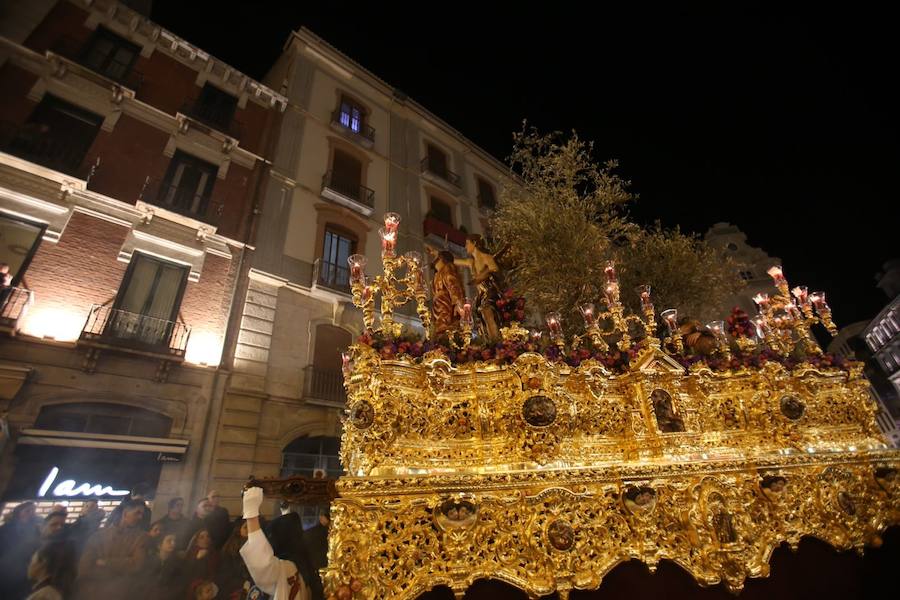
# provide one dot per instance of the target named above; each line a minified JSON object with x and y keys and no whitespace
{"x":315,"y":457}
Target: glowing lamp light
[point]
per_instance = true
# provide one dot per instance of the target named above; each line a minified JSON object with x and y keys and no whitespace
{"x":388,"y":241}
{"x":357,"y":264}
{"x":554,"y":324}
{"x":818,"y":300}
{"x":391,"y":221}
{"x":801,"y":293}
{"x":777,"y":274}
{"x":762,"y":300}
{"x":670,"y":316}
{"x":204,"y":348}
{"x":587,"y":311}
{"x":610,"y":270}
{"x":644,"y":291}
{"x":717,"y":327}
{"x":58,"y":324}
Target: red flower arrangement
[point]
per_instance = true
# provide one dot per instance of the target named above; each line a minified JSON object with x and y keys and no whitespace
{"x":738,"y":324}
{"x":510,"y":308}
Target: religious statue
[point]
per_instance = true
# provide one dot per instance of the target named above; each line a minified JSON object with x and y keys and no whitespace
{"x":447,"y":297}
{"x":488,"y":280}
{"x":666,"y":418}
{"x":697,"y":339}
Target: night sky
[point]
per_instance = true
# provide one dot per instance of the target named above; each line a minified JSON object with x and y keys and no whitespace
{"x":785,"y":124}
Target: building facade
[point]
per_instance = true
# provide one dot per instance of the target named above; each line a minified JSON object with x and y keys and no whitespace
{"x":351,"y":147}
{"x":132,"y":165}
{"x":732,"y":242}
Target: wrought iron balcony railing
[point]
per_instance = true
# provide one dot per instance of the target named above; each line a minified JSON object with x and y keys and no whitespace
{"x":331,"y":275}
{"x":38,"y":143}
{"x":132,"y":331}
{"x":184,"y":200}
{"x":75,"y":51}
{"x":213,"y":117}
{"x":349,"y":189}
{"x":14,"y":304}
{"x":324,"y":384}
{"x":353,"y":125}
{"x":439,"y":169}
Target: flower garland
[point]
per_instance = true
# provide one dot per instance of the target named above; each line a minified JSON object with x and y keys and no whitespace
{"x":506,"y":352}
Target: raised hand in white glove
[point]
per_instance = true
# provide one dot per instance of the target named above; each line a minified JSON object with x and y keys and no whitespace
{"x":253,"y":498}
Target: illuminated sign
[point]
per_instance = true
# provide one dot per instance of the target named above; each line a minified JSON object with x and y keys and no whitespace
{"x":69,"y":488}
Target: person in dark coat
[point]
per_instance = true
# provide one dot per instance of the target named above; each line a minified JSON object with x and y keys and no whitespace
{"x":217,"y":522}
{"x":19,"y":537}
{"x":52,"y":571}
{"x":234,"y":579}
{"x":137,"y":494}
{"x":316,"y":538}
{"x":175,"y":522}
{"x":164,"y":576}
{"x":114,"y":557}
{"x":86,"y":525}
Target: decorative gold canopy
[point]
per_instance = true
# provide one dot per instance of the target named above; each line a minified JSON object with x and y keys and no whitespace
{"x":547,"y":476}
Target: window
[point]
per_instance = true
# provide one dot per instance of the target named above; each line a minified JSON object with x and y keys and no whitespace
{"x":732,"y":246}
{"x":57,"y":135}
{"x":437,"y":161}
{"x":188,"y":185}
{"x":441,"y":211}
{"x":148,"y":301}
{"x":19,"y":241}
{"x":215,"y":107}
{"x":746,"y":275}
{"x":100,"y":417}
{"x":334,"y":271}
{"x":312,"y":457}
{"x":486,"y":194}
{"x":110,"y":55}
{"x":346,"y":175}
{"x":351,"y":115}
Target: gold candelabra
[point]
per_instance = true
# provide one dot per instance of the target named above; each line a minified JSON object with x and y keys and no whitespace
{"x":394,"y":290}
{"x":615,"y":317}
{"x":784,"y":322}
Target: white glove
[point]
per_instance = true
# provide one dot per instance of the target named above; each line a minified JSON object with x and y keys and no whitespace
{"x":253,"y":498}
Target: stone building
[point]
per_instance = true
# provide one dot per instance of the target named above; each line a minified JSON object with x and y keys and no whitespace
{"x":351,"y":147}
{"x":131,"y":170}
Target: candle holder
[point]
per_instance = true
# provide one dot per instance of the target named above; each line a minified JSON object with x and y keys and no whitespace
{"x":394,"y":290}
{"x":592,"y":329}
{"x":554,"y":324}
{"x":670,"y":318}
{"x":790,"y":316}
{"x":466,"y":323}
{"x":717,"y":328}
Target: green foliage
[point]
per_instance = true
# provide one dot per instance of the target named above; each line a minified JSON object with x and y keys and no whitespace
{"x":565,"y":215}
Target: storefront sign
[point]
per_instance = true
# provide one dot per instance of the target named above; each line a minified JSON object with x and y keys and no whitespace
{"x":69,"y":488}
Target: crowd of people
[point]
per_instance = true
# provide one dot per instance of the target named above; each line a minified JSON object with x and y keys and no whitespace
{"x":203,"y":555}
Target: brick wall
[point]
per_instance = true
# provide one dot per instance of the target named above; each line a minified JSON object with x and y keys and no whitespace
{"x":79,"y":270}
{"x":205,"y":303}
{"x":128,"y":155}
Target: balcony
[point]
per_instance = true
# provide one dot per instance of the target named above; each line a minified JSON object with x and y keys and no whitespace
{"x":212,"y":117}
{"x":332,"y":276}
{"x":183,"y":200}
{"x":324,"y":385}
{"x":437,"y":171}
{"x":74,"y":52}
{"x":439,"y":233}
{"x":487,"y":204}
{"x":356,"y":129}
{"x":35,"y":143}
{"x":347,"y":193}
{"x":111,"y":328}
{"x":14,"y":304}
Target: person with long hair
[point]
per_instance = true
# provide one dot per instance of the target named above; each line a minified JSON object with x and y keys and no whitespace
{"x":233,"y":578}
{"x":164,"y":571}
{"x":52,"y":571}
{"x":201,"y":561}
{"x":279,"y":565}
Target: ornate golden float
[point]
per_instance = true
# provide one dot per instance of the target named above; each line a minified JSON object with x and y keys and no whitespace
{"x":547,"y":474}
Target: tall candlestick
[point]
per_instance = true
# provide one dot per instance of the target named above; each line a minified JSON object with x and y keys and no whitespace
{"x":610,"y":271}
{"x":587,"y":311}
{"x":391,"y":221}
{"x":762,"y":301}
{"x":777,"y":274}
{"x":357,"y":264}
{"x":388,"y":242}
